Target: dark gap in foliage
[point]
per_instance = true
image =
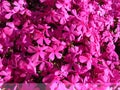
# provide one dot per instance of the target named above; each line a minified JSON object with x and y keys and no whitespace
{"x":11,"y":19}
{"x":1,"y":55}
{"x":101,"y":2}
{"x":35,"y":5}
{"x":34,"y":43}
{"x":28,"y":54}
{"x":52,"y":25}
{"x":37,"y":70}
{"x":32,"y":4}
{"x":65,"y":51}
{"x":112,"y":28}
{"x":117,"y":48}
{"x":9,"y":53}
{"x":16,"y":49}
{"x":103,"y":47}
{"x":20,"y":26}
{"x":77,"y":43}
{"x":83,"y":64}
{"x":69,"y":12}
{"x":93,"y":74}
{"x":73,"y":68}
{"x":2,"y":24}
{"x":10,"y":1}
{"x":77,"y":7}
{"x":37,"y":79}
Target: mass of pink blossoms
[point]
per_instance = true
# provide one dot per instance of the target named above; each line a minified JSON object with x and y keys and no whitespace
{"x":63,"y":44}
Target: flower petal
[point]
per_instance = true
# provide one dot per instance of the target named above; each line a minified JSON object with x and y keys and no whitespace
{"x":8,"y":31}
{"x":58,"y":55}
{"x":51,"y":56}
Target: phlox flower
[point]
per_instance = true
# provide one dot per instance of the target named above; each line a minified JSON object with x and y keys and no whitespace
{"x":40,"y":37}
{"x":71,"y":32}
{"x":39,"y":51}
{"x":54,"y":51}
{"x":64,"y":71}
{"x":63,"y":4}
{"x":9,"y":29}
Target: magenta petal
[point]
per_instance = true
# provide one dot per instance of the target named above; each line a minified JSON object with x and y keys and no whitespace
{"x":83,"y":59}
{"x":10,"y":24}
{"x":1,"y":48}
{"x":35,"y":57}
{"x":8,"y":16}
{"x":42,"y":54}
{"x":58,"y":5}
{"x":58,"y":55}
{"x":51,"y":56}
{"x":31,"y":49}
{"x":89,"y":63}
{"x":48,"y":78}
{"x":8,"y":31}
{"x":47,"y":41}
{"x":40,"y":41}
{"x":61,"y":85}
{"x":42,"y":1}
{"x":62,"y":21}
{"x":42,"y":65}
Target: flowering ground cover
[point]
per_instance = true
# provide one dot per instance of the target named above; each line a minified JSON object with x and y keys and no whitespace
{"x":60,"y":44}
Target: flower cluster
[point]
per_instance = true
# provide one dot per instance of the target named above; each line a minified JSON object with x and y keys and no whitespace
{"x":66,"y":44}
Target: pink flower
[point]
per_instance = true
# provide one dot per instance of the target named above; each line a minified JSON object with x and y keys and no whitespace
{"x":42,"y":1}
{"x":6,"y":74}
{"x":40,"y":37}
{"x":29,"y":67}
{"x":44,"y":29}
{"x":52,"y":17}
{"x":71,"y":86}
{"x":6,"y":5}
{"x":86,"y":59}
{"x":64,"y":71}
{"x":63,"y":4}
{"x":39,"y":51}
{"x":1,"y":48}
{"x":63,"y":16}
{"x":45,"y":66}
{"x":9,"y":29}
{"x":54,"y":83}
{"x":71,"y":32}
{"x":54,"y":51}
{"x":19,"y":7}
